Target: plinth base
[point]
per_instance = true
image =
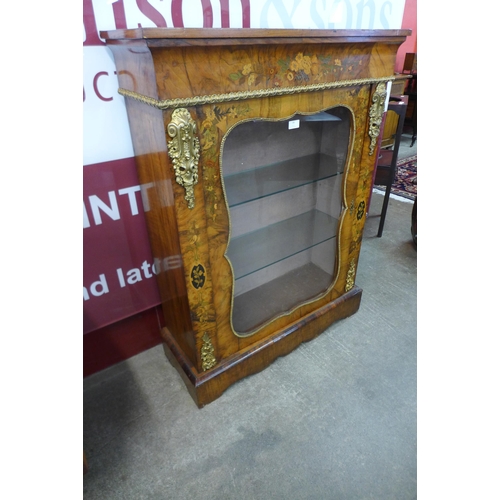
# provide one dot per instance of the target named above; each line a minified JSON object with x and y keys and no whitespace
{"x":207,"y":386}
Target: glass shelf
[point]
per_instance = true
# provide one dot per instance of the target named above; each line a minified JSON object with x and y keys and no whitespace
{"x":255,"y":307}
{"x":258,"y":249}
{"x":272,"y":179}
{"x":322,"y":116}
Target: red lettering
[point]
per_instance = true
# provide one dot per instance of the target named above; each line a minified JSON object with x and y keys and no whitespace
{"x":176,"y":9}
{"x":92,"y":33}
{"x":208,"y":14}
{"x":224,"y":13}
{"x":89,"y":23}
{"x":151,"y":13}
{"x":96,"y":89}
{"x":119,"y":14}
{"x":245,"y":7}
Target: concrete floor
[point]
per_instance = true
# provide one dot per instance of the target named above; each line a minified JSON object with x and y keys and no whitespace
{"x":335,"y":419}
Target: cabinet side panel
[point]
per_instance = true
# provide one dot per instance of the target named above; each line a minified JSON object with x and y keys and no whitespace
{"x":146,"y":124}
{"x":135,"y":72}
{"x":135,"y":67}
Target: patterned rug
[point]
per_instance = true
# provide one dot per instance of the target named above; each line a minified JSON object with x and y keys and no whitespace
{"x":405,"y":184}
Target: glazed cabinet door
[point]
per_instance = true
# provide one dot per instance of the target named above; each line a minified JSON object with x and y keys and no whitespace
{"x":280,"y":178}
{"x":282,"y":181}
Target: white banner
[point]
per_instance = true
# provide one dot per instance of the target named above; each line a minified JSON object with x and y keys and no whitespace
{"x":106,"y":132}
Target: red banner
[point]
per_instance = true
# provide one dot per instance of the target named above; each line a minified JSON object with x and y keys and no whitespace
{"x":118,"y":269}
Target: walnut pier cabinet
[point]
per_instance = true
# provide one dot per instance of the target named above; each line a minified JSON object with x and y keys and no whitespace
{"x":255,"y":150}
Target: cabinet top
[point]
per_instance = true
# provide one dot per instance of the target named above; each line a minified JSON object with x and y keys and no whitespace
{"x":235,"y":36}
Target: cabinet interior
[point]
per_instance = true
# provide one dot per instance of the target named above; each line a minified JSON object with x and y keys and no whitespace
{"x":283,"y":186}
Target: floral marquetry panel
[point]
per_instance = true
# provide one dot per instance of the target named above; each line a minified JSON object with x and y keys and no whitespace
{"x":246,"y":69}
{"x":258,"y":146}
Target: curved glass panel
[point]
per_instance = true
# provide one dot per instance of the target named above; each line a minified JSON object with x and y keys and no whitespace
{"x":283,"y":182}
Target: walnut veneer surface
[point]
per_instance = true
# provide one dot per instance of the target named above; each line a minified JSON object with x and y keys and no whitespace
{"x":222,"y":78}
